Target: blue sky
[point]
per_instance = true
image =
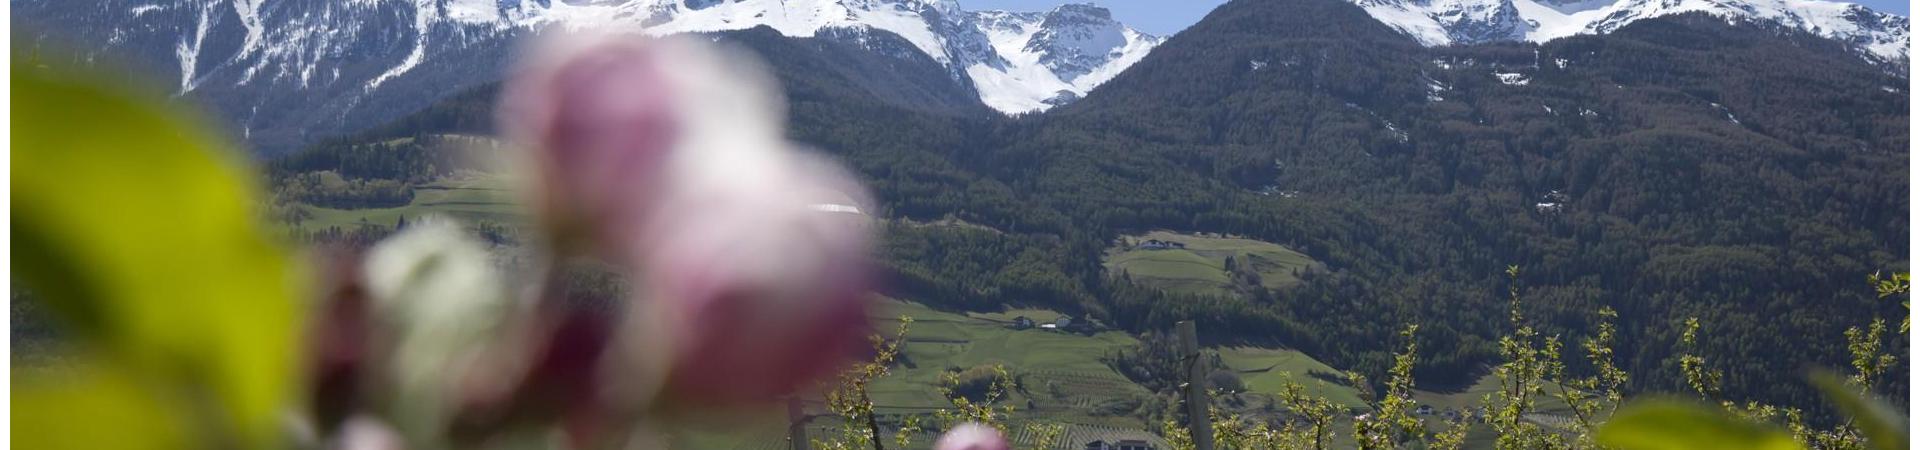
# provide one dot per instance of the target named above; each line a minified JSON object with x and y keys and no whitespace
{"x":1164,"y":17}
{"x":1901,"y":7}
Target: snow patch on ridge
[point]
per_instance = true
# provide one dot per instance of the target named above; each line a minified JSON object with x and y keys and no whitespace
{"x":1444,"y":22}
{"x":422,"y":25}
{"x":795,"y":18}
{"x":188,"y":51}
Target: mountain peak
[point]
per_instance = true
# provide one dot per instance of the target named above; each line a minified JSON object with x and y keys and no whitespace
{"x":1080,"y":11}
{"x":1076,"y":39}
{"x":1053,"y":58}
{"x":1878,"y":35}
{"x":1019,"y":62}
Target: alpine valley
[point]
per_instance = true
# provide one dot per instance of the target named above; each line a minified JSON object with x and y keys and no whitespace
{"x":1330,"y":170}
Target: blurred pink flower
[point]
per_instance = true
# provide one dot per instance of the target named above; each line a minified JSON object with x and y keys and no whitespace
{"x":340,"y":341}
{"x":368,"y":433}
{"x":971,"y":436}
{"x":562,"y":382}
{"x":668,"y":157}
{"x":607,"y":117}
{"x":762,"y":276}
{"x":598,"y":115}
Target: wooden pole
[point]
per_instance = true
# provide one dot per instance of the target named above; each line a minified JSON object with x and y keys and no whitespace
{"x":796,"y":424}
{"x":1199,"y":418}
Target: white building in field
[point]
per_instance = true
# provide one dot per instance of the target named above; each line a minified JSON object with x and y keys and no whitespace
{"x":1123,"y":444}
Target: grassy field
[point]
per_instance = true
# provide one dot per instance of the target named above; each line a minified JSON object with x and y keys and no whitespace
{"x":910,"y":390}
{"x":1267,"y":371}
{"x":1200,"y":267}
{"x":472,"y":197}
{"x":1060,"y":373}
{"x":1061,"y":378}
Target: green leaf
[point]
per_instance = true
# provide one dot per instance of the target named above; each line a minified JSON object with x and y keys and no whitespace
{"x":1671,"y":425}
{"x":141,"y":234}
{"x":73,"y":411}
{"x":1883,"y":426}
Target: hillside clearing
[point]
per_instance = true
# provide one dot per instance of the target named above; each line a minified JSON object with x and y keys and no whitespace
{"x":1199,"y":264}
{"x":473,"y":198}
{"x":1267,"y":371}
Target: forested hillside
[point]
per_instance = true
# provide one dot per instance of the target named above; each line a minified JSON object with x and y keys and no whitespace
{"x":1744,"y":174}
{"x":1678,"y":167}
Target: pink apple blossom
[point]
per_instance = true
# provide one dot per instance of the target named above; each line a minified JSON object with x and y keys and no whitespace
{"x":667,"y":157}
{"x":606,"y":116}
{"x":761,"y":275}
{"x":598,"y":117}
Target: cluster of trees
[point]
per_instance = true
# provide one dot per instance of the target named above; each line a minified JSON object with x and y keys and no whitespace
{"x":1532,"y":370}
{"x":1157,"y":364}
{"x":411,"y":158}
{"x":957,"y":266}
{"x":328,"y":189}
{"x":371,"y":172}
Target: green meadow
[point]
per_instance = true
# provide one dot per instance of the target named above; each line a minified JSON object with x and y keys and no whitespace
{"x":1267,"y":371}
{"x":1060,"y":374}
{"x":1201,"y":266}
{"x":472,"y":197}
{"x":1060,"y":379}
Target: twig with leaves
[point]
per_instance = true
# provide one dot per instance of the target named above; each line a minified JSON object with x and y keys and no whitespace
{"x":851,"y":400}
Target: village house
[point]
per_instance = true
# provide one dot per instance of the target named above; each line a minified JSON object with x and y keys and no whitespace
{"x":1060,"y":324}
{"x":1123,"y":444}
{"x":1156,"y":244}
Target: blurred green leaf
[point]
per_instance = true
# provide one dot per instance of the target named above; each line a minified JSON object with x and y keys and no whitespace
{"x":1672,"y":425}
{"x":140,"y":233}
{"x":69,"y":413}
{"x":1883,"y":426}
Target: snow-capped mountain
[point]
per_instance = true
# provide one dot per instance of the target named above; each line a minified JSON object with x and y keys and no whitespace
{"x":1017,"y":62}
{"x":1048,"y":59}
{"x":1442,"y":22}
{"x":284,"y":73}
